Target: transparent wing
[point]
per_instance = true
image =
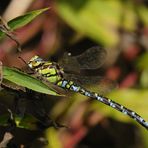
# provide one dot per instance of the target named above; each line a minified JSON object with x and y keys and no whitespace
{"x":93,"y":83}
{"x":92,"y":58}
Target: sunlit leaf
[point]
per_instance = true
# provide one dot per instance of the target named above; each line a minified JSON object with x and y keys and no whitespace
{"x":143,"y":12}
{"x":11,"y":85}
{"x":144,"y":136}
{"x":53,"y":139}
{"x":27,"y":122}
{"x":144,"y":78}
{"x":27,"y":81}
{"x":96,"y":19}
{"x":24,"y":19}
{"x":129,"y":16}
{"x":100,"y":20}
{"x":142,"y":62}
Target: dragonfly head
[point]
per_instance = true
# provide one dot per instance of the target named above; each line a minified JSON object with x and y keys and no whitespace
{"x":35,"y":61}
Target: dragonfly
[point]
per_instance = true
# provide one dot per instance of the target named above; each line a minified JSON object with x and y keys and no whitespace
{"x":91,"y":59}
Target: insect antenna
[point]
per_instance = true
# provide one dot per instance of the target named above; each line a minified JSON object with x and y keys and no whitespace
{"x":23,"y":60}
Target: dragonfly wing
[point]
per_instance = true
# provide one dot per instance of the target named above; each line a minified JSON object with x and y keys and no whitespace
{"x":93,"y":83}
{"x":69,"y":63}
{"x":92,"y":58}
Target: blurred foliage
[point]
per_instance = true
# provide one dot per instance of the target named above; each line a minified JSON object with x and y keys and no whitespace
{"x":142,"y":62}
{"x":27,"y":122}
{"x":143,"y":67}
{"x":100,"y":20}
{"x":127,"y":97}
{"x":143,"y":12}
{"x":52,"y":134}
{"x":144,"y":79}
{"x":115,"y":24}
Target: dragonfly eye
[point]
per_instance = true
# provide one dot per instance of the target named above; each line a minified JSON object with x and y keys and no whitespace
{"x":35,"y":61}
{"x":38,"y":59}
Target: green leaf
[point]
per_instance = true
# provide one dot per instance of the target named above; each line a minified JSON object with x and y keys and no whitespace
{"x":143,"y":13}
{"x":27,"y":122}
{"x":53,"y":137}
{"x":144,"y":78}
{"x":142,"y":62}
{"x":21,"y":21}
{"x":25,"y":19}
{"x":129,"y":16}
{"x":95,"y":19}
{"x":27,"y":81}
{"x":100,"y":19}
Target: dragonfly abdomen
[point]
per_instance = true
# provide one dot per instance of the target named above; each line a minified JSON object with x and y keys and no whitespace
{"x":68,"y":85}
{"x":76,"y":88}
{"x":123,"y":110}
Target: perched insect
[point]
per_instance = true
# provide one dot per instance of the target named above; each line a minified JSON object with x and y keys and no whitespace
{"x":55,"y":74}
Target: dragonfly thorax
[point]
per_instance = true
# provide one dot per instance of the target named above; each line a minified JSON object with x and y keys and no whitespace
{"x":50,"y":70}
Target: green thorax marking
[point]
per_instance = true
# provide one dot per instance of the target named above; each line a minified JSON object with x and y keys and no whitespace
{"x":51,"y":70}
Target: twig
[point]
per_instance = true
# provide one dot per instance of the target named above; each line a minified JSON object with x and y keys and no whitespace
{"x":7,"y":30}
{"x":7,"y":137}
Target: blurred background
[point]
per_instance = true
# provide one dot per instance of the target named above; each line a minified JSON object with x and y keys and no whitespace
{"x":121,"y":28}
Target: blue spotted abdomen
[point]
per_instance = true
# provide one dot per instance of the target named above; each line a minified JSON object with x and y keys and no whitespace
{"x":76,"y":88}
